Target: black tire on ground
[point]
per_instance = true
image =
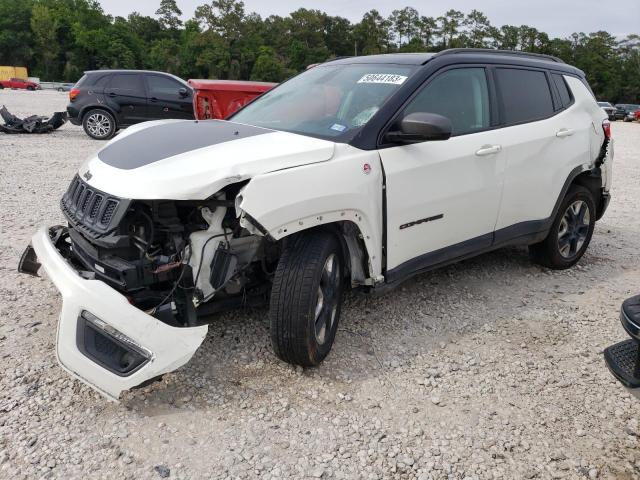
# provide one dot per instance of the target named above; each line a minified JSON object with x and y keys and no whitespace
{"x":570,"y":232}
{"x":1,"y":86}
{"x":306,"y":298}
{"x":99,"y":124}
{"x":30,"y":88}
{"x":60,"y":89}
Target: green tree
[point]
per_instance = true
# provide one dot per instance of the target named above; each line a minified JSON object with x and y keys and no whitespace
{"x":44,"y":26}
{"x":372,"y":34}
{"x":267,"y":67}
{"x":450,"y":24}
{"x":169,"y":14}
{"x":16,"y":38}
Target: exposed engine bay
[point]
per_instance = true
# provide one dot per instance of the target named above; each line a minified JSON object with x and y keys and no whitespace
{"x":175,"y":260}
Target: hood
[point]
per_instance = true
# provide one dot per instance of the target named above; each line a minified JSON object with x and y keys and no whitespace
{"x":192,"y":160}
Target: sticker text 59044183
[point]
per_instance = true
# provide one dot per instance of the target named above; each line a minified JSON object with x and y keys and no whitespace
{"x":389,"y":78}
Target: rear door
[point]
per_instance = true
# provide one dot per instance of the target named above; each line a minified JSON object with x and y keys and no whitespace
{"x":546,"y":136}
{"x":165,"y":99}
{"x":125,"y":93}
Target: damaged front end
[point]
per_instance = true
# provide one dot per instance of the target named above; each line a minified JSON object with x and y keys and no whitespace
{"x":138,"y":276}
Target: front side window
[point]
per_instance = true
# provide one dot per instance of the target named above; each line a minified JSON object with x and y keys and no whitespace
{"x":525,"y":95}
{"x":461,"y":95}
{"x":327,"y":101}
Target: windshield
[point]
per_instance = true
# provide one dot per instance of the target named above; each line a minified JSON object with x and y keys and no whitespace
{"x":328,"y":101}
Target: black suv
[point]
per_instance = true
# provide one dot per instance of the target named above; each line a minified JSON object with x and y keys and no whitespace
{"x":103,"y":101}
{"x":624,"y":111}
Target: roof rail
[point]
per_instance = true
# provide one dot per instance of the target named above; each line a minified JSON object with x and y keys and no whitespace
{"x":538,"y":56}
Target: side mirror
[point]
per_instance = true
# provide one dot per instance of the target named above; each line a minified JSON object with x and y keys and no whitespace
{"x":420,"y":127}
{"x":183,"y":92}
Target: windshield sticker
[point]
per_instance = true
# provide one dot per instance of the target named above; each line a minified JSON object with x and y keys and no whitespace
{"x":388,"y":78}
{"x":338,"y":128}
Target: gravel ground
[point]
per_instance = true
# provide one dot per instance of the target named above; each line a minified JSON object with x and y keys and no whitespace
{"x":491,"y":368}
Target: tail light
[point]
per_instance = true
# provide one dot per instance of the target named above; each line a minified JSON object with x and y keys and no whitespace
{"x":73,"y":93}
{"x":606,"y":126}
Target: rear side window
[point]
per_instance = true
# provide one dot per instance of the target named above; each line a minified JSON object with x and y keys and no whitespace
{"x":130,"y":82}
{"x":461,"y":95}
{"x":563,"y":90}
{"x":82,"y":80}
{"x":162,"y":86}
{"x":525,"y":95}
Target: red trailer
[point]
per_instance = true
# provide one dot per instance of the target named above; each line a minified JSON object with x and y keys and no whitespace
{"x":220,"y":98}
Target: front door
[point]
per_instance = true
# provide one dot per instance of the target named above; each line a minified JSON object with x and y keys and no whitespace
{"x":443,"y":197}
{"x":166,"y":100}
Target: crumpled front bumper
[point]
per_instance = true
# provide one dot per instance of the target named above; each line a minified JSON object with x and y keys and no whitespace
{"x":165,"y":348}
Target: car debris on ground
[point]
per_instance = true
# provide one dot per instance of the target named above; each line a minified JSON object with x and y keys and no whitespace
{"x":32,"y":123}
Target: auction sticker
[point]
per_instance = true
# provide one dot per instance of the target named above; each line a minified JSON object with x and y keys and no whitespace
{"x":389,"y":78}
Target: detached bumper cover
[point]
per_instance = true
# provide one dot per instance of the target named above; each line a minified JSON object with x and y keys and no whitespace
{"x":165,"y":348}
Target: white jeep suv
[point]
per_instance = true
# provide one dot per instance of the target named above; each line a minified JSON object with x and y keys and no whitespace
{"x":357,"y":173}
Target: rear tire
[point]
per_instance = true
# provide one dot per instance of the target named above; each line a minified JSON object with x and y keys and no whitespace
{"x":570,"y":232}
{"x":31,"y":89}
{"x":306,"y":298}
{"x":99,"y":124}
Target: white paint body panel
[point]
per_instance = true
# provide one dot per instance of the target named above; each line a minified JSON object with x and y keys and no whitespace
{"x":539,"y":162}
{"x":441,"y":178}
{"x":171,"y":347}
{"x":198,"y":174}
{"x":288,"y":201}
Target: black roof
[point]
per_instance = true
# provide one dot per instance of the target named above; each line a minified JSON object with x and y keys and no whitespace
{"x":466,"y":55}
{"x":124,"y":70}
{"x":397,"y":58}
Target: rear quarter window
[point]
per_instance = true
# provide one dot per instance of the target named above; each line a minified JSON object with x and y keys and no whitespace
{"x":524,"y":94}
{"x":563,"y":90}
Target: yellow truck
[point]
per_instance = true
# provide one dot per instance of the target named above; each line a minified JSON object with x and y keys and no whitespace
{"x":7,"y":73}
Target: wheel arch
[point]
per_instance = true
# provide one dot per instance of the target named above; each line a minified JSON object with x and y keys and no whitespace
{"x":592,"y":181}
{"x":353,"y":243}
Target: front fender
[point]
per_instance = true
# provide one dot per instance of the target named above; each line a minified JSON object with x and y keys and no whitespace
{"x":347,"y":188}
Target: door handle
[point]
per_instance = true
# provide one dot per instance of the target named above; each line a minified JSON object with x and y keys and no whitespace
{"x":112,"y":94}
{"x":564,"y":132}
{"x":488,"y":150}
{"x":154,"y":99}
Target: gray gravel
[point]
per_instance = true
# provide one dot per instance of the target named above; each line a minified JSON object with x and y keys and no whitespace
{"x":491,"y":368}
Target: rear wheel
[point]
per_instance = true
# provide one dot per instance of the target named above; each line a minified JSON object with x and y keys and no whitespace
{"x":99,"y":124}
{"x":570,"y":232}
{"x":305,"y":299}
{"x":30,"y":89}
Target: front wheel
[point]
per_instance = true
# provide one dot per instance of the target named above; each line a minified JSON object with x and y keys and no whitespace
{"x":570,"y":232}
{"x":99,"y":124}
{"x":306,"y":298}
{"x":31,"y":89}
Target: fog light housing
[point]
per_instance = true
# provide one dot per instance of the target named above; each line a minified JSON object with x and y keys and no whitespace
{"x":108,"y":347}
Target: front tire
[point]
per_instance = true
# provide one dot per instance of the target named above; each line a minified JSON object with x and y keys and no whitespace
{"x":570,"y":232}
{"x":99,"y":124}
{"x":306,"y":298}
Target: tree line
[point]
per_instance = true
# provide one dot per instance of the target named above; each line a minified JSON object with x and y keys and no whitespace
{"x":59,"y":39}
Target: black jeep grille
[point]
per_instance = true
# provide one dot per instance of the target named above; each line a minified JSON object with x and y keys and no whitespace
{"x":90,"y":210}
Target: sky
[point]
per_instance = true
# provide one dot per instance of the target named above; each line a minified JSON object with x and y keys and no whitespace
{"x":559,"y":18}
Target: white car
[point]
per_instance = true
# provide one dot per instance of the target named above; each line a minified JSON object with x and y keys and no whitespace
{"x":357,"y":173}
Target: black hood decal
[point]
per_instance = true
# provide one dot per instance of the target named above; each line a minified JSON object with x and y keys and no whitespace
{"x":166,"y":140}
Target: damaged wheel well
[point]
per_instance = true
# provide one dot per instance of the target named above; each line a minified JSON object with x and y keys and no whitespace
{"x":352,"y":247}
{"x":592,"y":181}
